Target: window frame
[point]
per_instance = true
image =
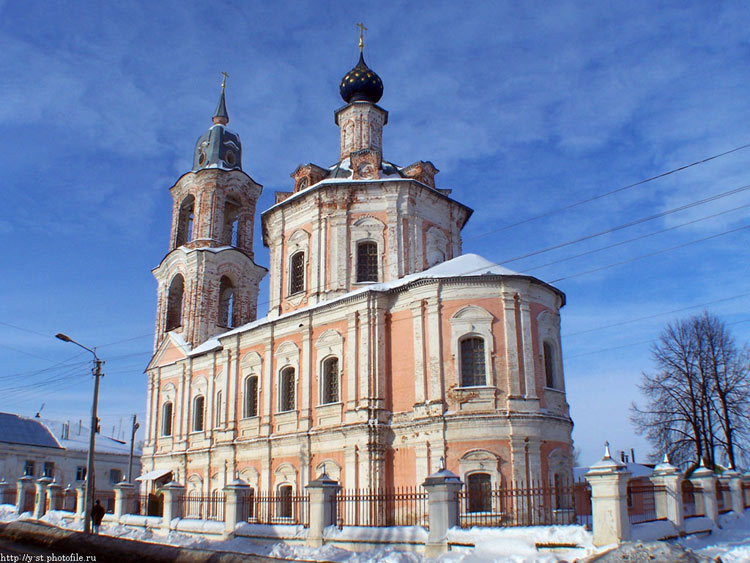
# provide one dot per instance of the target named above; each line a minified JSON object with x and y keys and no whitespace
{"x":165,"y":418}
{"x":482,"y":355}
{"x":284,"y":399}
{"x":199,"y":414}
{"x":324,"y":381}
{"x":297,"y":276}
{"x":246,"y":396}
{"x":360,"y":269}
{"x":549,"y":361}
{"x":174,"y":310}
{"x":476,"y":494}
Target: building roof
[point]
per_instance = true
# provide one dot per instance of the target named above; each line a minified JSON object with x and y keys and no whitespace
{"x":16,"y":429}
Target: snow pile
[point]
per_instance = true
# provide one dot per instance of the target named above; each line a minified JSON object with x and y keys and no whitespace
{"x":731,"y":543}
{"x":8,"y":513}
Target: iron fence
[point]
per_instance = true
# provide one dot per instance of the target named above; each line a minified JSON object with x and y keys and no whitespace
{"x":642,"y":501}
{"x":283,"y":508}
{"x":204,"y":507}
{"x":690,"y":504}
{"x":518,"y":504}
{"x":149,"y":505}
{"x":106,"y":499}
{"x":400,"y":506}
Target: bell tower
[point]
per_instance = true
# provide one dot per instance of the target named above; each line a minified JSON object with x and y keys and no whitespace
{"x":208,"y":282}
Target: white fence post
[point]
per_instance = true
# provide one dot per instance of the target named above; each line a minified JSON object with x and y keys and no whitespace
{"x":735,"y":491}
{"x":704,"y":478}
{"x":55,"y":494}
{"x":80,"y":501}
{"x":173,"y":503}
{"x":24,"y":487}
{"x":322,"y":496}
{"x":40,"y":499}
{"x":236,"y":494}
{"x":442,"y":497}
{"x":669,"y":500}
{"x":609,"y":504}
{"x":123,"y":499}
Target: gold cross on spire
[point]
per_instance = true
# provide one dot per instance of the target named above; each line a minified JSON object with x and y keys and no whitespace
{"x":362,"y":30}
{"x":224,"y":81}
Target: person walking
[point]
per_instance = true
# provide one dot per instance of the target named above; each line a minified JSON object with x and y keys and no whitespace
{"x":97,"y":514}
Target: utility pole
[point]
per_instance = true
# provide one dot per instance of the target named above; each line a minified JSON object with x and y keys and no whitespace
{"x":90,"y":471}
{"x":136,"y":426}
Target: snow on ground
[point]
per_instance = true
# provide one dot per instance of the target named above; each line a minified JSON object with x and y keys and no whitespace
{"x":516,"y":545}
{"x":731,"y":543}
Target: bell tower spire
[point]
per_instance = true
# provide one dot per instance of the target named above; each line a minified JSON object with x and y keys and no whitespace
{"x":208,"y":282}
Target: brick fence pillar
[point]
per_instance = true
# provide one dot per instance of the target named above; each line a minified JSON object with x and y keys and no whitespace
{"x":55,"y":495}
{"x":609,"y":503}
{"x":3,"y":490}
{"x":669,"y":500}
{"x":442,"y":497}
{"x":124,"y":493}
{"x":704,"y":478}
{"x":323,"y":492}
{"x":736,"y":499}
{"x":24,"y":487}
{"x":40,"y":498}
{"x":173,"y":503}
{"x":237,"y":494}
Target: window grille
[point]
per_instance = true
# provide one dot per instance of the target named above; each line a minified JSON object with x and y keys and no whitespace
{"x":285,"y":501}
{"x":287,"y":390}
{"x":549,"y":364}
{"x":251,"y":396}
{"x":297,"y":282}
{"x":367,"y":262}
{"x":480,"y":499}
{"x":166,"y":419}
{"x":472,"y":362}
{"x":198,"y":404}
{"x":331,"y":381}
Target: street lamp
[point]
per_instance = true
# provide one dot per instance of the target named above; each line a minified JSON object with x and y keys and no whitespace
{"x":89,"y":496}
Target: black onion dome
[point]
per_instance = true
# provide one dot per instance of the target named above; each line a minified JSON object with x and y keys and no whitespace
{"x":361,"y":84}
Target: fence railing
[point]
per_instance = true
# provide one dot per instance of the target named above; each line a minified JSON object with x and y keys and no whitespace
{"x":276,"y":509}
{"x":518,"y":504}
{"x":149,"y":505}
{"x":401,"y":506}
{"x":642,"y":502}
{"x":204,"y":508}
{"x":8,"y":495}
{"x":690,"y":504}
{"x":107,"y":500}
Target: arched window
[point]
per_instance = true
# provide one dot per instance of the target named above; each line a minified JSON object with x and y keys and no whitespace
{"x":174,"y":302}
{"x":286,"y":390}
{"x":330,"y":391}
{"x":480,"y":498}
{"x":297,"y":273}
{"x":549,"y":365}
{"x":185,"y":221}
{"x":473,"y":372}
{"x":199,"y":404}
{"x":251,"y":396}
{"x":166,"y":419}
{"x":231,"y":223}
{"x":367,"y":262}
{"x":226,"y":303}
{"x":285,"y":501}
{"x":218,"y":408}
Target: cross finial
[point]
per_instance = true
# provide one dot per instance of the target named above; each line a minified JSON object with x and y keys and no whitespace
{"x":362,"y":30}
{"x":224,"y":81}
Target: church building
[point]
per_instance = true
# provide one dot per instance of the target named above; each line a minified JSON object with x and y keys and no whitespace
{"x":385,"y":351}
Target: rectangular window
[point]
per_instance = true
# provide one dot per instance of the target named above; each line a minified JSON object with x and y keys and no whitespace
{"x":251,"y":396}
{"x":331,"y":380}
{"x":49,"y":469}
{"x":287,"y":390}
{"x":28,"y":468}
{"x":367,"y":262}
{"x":115,"y":475}
{"x":297,"y":274}
{"x":472,"y":362}
{"x":80,"y":473}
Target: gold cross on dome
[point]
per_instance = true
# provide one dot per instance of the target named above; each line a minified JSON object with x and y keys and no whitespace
{"x":224,"y":80}
{"x":362,"y":30}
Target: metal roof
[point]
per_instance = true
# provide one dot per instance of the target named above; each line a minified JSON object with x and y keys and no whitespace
{"x":16,"y":429}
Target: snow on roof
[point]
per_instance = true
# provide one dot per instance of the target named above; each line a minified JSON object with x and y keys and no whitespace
{"x":76,"y":437}
{"x":636,"y":470}
{"x":15,"y":429}
{"x":464,"y":265}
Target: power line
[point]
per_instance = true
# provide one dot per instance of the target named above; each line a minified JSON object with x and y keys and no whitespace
{"x":631,"y":223}
{"x":606,"y":194}
{"x":621,"y":243}
{"x":650,"y":254}
{"x":655,"y":315}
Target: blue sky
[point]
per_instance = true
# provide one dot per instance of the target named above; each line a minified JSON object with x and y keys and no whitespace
{"x":525,"y":108}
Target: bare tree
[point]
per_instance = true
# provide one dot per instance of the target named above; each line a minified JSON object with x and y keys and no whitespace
{"x":697,"y":399}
